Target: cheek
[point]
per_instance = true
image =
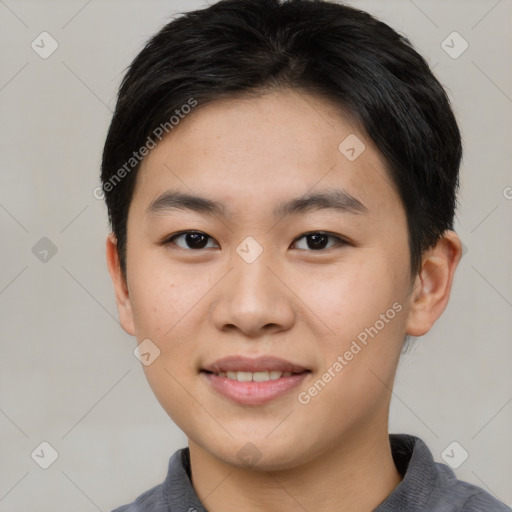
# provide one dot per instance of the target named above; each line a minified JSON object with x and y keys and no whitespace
{"x":365,"y":312}
{"x":362,"y":304}
{"x":162,"y":294}
{"x":156,"y":306}
{"x":352,"y":296}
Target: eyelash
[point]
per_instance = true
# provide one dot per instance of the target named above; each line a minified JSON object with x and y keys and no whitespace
{"x":340,"y":241}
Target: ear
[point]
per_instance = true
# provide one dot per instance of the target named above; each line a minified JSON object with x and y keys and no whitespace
{"x":124,"y":306}
{"x":432,"y":286}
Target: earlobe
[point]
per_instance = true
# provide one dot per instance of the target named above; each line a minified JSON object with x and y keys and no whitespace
{"x":431,"y":289}
{"x":122,"y":295}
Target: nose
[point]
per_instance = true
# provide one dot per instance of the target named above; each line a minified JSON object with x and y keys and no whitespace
{"x":254,"y":299}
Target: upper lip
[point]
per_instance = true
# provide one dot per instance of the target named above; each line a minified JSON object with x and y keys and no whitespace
{"x":258,"y":364}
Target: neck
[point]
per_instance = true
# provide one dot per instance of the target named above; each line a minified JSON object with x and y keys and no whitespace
{"x":358,"y":474}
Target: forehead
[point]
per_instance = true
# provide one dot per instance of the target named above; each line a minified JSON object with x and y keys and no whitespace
{"x":262,"y":149}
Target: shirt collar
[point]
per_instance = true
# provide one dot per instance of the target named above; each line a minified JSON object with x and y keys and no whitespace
{"x":415,"y":463}
{"x":410,"y":454}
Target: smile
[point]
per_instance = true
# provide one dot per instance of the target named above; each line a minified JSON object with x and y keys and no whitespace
{"x":253,"y":388}
{"x":254,"y":376}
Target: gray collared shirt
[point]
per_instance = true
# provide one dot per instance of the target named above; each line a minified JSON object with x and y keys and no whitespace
{"x":427,"y":486}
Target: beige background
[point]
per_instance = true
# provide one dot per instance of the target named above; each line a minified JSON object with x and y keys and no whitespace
{"x":67,"y":371}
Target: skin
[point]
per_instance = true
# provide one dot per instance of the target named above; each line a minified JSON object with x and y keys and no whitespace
{"x":293,"y":302}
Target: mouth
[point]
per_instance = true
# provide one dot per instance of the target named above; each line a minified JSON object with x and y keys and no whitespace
{"x":249,"y":381}
{"x":263,"y":376}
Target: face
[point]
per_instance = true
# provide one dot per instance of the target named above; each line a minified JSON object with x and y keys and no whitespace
{"x":299,"y":253}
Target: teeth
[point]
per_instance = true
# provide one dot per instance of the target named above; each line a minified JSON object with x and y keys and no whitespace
{"x":254,"y":376}
{"x":243,"y":376}
{"x":260,"y":376}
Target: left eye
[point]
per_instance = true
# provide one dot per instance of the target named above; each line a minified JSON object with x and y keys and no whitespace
{"x":318,"y":241}
{"x":191,"y":239}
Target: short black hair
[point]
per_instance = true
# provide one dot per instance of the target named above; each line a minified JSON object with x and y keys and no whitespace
{"x":331,"y":50}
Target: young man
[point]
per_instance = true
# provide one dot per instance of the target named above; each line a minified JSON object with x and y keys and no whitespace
{"x":281,"y":182}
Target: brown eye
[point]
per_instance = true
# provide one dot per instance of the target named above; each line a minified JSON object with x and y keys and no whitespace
{"x":317,"y":241}
{"x":194,"y":240}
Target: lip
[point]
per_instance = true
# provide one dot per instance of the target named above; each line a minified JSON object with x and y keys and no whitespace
{"x":258,"y":364}
{"x":253,"y":393}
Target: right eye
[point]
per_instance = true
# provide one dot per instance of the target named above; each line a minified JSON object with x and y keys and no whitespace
{"x":189,"y":240}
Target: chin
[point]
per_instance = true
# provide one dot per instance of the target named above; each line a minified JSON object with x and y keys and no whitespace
{"x":259,"y":454}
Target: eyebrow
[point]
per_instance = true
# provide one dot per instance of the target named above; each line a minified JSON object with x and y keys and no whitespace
{"x":332,"y":199}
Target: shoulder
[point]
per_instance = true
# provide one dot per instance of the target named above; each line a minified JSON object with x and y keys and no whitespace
{"x":430,"y":485}
{"x":175,"y":492}
{"x":152,"y":500}
{"x":482,"y":501}
{"x":471,"y":497}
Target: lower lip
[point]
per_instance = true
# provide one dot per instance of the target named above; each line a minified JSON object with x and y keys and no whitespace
{"x":254,"y":393}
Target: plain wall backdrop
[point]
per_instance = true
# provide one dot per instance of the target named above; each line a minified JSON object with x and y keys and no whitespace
{"x":68,"y":375}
